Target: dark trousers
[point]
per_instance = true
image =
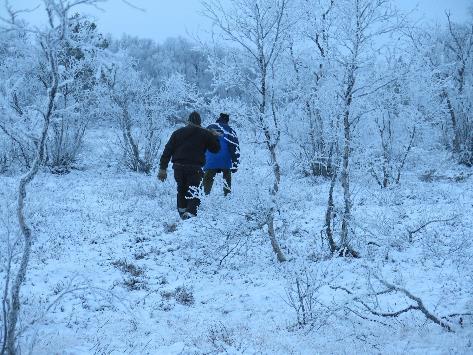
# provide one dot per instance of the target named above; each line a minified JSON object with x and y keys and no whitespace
{"x":209,"y":178}
{"x":188,"y":183}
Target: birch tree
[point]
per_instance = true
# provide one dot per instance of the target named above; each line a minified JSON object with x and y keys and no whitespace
{"x":446,"y":56}
{"x":312,"y":100}
{"x":260,"y":29}
{"x":48,"y":47}
{"x":142,"y":108}
{"x":361,"y":30}
{"x":459,"y":49}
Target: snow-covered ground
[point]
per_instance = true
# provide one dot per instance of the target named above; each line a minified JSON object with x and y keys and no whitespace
{"x":114,"y":271}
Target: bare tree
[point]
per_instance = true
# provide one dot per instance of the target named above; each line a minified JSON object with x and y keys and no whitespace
{"x":361,"y":24}
{"x":132,"y":96}
{"x":260,"y":28}
{"x":310,"y":66}
{"x":49,"y":43}
{"x":460,"y":46}
{"x":142,"y":108}
{"x":447,"y":55}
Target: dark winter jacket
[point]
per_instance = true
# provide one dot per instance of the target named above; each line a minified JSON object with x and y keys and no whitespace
{"x":187,"y":147}
{"x":229,"y":155}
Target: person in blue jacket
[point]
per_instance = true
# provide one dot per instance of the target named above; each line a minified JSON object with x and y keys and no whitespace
{"x":226,"y":161}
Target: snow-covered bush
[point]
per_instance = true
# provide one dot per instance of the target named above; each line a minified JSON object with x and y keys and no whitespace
{"x":25,"y":73}
{"x":80,"y":58}
{"x":19,"y":89}
{"x":143,"y":109}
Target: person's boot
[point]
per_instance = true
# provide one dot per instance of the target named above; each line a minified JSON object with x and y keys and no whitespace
{"x":187,"y":215}
{"x":181,"y":212}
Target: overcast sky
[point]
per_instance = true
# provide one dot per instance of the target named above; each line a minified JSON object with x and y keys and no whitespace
{"x":166,"y":18}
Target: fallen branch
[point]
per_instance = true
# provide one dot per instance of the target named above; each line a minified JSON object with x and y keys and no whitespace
{"x":461,"y":315}
{"x":412,"y":232}
{"x":418,"y":306}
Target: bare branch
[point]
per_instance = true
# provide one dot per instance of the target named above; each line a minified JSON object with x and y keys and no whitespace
{"x":129,"y":3}
{"x":412,"y":232}
{"x":419,"y":305}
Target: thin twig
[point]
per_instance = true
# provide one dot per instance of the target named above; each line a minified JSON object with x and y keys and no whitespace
{"x":412,"y":232}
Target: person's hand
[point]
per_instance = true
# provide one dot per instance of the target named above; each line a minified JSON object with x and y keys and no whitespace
{"x":162,"y":175}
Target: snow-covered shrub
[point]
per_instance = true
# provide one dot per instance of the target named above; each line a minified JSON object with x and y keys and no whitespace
{"x":64,"y":143}
{"x":142,"y":109}
{"x":221,"y":338}
{"x":80,"y":58}
{"x":132,"y":275}
{"x":184,"y":295}
{"x":302,"y":295}
{"x":24,"y":72}
{"x":19,"y":90}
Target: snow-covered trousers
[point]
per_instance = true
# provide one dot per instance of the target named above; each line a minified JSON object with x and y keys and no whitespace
{"x":188,"y":179}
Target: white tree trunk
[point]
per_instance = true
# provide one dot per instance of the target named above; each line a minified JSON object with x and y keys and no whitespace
{"x":13,"y":313}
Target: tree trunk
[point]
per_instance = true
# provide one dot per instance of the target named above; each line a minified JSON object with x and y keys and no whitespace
{"x":274,"y":191}
{"x":272,"y":237}
{"x":276,"y":170}
{"x":345,"y":163}
{"x":453,"y":118}
{"x":329,"y":215}
{"x":345,"y":248}
{"x":138,"y":164}
{"x":25,"y":230}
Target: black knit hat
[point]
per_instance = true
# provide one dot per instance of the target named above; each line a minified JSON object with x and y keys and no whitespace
{"x":194,"y":118}
{"x":224,"y":117}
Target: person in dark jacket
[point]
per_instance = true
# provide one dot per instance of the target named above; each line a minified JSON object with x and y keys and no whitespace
{"x":226,"y":161}
{"x":187,"y":147}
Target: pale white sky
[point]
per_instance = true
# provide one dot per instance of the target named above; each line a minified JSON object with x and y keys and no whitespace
{"x":165,"y":18}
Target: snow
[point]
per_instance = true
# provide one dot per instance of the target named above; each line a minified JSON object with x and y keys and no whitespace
{"x":138,"y":280}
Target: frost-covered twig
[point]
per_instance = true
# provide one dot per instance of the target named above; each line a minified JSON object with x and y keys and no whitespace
{"x":418,"y":229}
{"x":419,"y":305}
{"x":390,"y":288}
{"x":406,"y":153}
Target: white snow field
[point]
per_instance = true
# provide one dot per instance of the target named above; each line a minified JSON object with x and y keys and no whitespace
{"x":114,"y":270}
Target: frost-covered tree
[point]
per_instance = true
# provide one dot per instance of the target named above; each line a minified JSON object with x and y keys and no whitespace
{"x":395,"y":119}
{"x":311,"y":90}
{"x":143,"y":108}
{"x":80,"y":58}
{"x":26,"y":73}
{"x":446,"y":59}
{"x":18,"y":88}
{"x":41,"y":112}
{"x":160,"y":61}
{"x":360,"y":32}
{"x":260,"y":29}
{"x":459,"y":51}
